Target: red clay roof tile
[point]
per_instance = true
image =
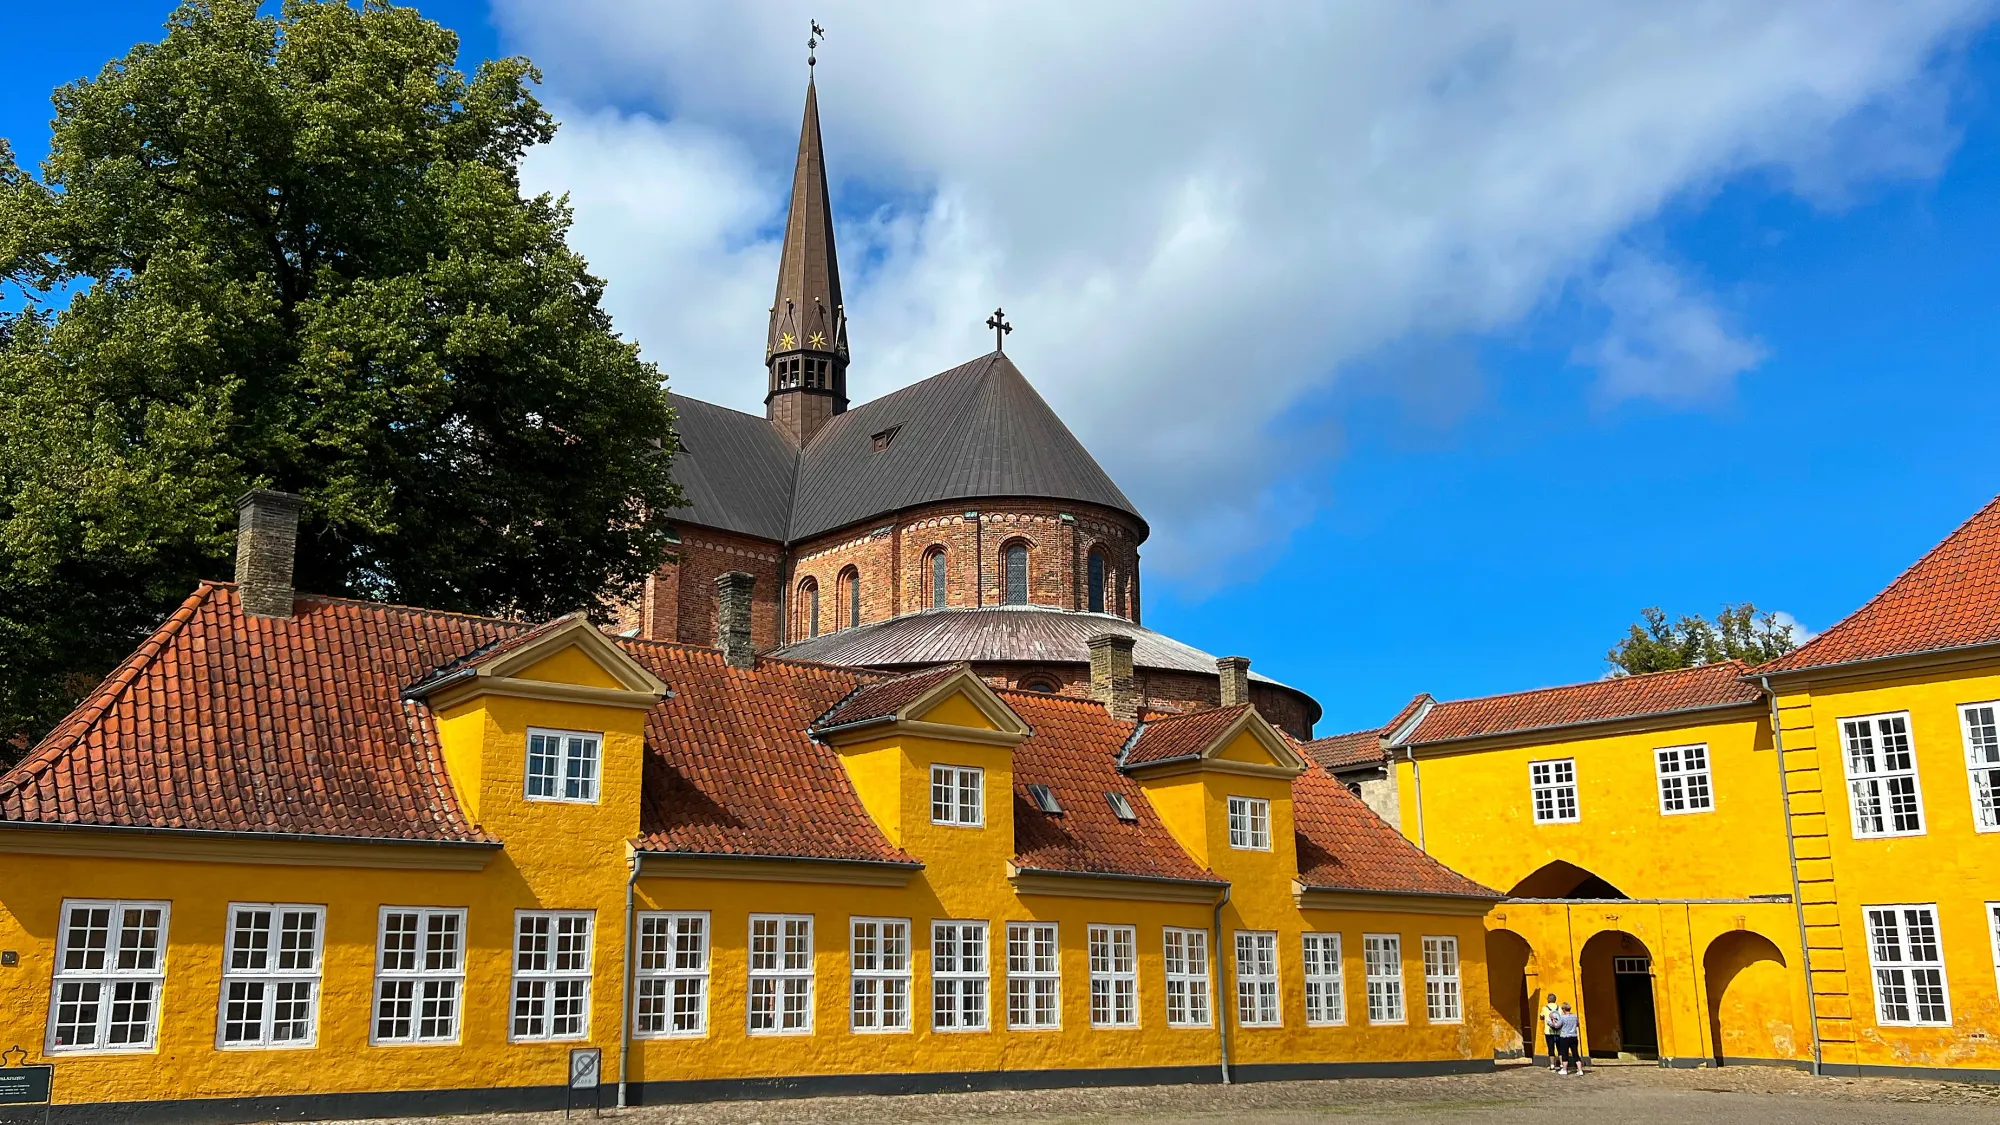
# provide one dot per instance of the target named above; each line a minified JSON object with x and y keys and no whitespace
{"x":1345,"y":751}
{"x":884,"y":698}
{"x":1684,"y":689}
{"x":1344,"y":846}
{"x":1173,"y":737}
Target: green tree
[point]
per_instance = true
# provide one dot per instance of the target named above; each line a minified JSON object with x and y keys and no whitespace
{"x":291,"y":251}
{"x":1739,"y":632}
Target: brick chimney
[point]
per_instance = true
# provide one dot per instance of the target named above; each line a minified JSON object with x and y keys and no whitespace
{"x":1111,"y":679}
{"x":267,"y":541}
{"x":1235,"y":674}
{"x":732,"y":618}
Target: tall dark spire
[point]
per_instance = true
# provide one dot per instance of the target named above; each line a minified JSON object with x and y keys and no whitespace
{"x":806,"y":347}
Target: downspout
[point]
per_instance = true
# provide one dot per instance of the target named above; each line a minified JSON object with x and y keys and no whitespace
{"x":1792,"y":854}
{"x":1417,"y":782}
{"x":625,"y":993}
{"x":1221,"y":1010}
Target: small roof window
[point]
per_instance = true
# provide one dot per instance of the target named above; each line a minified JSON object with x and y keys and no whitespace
{"x":1122,"y":808}
{"x":1044,"y":799}
{"x":884,"y":437}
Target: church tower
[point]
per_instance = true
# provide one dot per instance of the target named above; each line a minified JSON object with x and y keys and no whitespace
{"x":806,"y":348}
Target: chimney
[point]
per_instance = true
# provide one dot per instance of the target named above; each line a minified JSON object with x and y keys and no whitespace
{"x":267,"y":540}
{"x":1111,"y":679}
{"x":1235,"y":674}
{"x":732,"y":618}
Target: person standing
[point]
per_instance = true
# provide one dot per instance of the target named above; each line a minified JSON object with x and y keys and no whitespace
{"x":1552,"y":1029}
{"x":1568,"y":1029}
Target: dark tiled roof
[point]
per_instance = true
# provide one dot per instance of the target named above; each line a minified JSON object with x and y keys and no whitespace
{"x":1950,"y":598}
{"x":1173,"y":737}
{"x":1344,"y":846}
{"x":1345,"y":751}
{"x":1074,"y":751}
{"x":884,"y":698}
{"x":1684,"y":689}
{"x":735,"y":470}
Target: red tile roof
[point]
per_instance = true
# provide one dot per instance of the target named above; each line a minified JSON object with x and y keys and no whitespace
{"x":1344,"y":846}
{"x":1074,"y":751}
{"x":1950,"y":598}
{"x":1173,"y":737}
{"x":884,"y":698}
{"x":1684,"y":689}
{"x":1345,"y":751}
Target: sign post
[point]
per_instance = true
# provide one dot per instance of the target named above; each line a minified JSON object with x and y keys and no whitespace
{"x":586,"y":1068}
{"x":23,"y":1084}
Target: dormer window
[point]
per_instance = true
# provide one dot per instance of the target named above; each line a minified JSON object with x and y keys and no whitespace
{"x":958,"y":795}
{"x":562,"y":766}
{"x":1250,"y":824}
{"x":1121,"y":807}
{"x":1045,"y":799}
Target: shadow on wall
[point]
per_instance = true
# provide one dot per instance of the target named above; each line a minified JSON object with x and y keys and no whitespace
{"x":1750,"y":1013}
{"x":1558,"y":879}
{"x":1512,"y":982}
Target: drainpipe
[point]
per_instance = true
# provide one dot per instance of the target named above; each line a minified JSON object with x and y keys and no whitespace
{"x":1417,"y":781}
{"x":1792,"y":853}
{"x":1221,"y":1010}
{"x":625,"y":994}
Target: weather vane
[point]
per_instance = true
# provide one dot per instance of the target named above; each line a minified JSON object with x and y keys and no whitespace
{"x":998,"y":323}
{"x":812,"y":44}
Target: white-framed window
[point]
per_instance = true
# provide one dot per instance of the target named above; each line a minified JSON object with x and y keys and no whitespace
{"x":419,"y":975}
{"x":1250,"y":823}
{"x":1981,"y":724}
{"x":958,"y":795}
{"x":1552,"y":788}
{"x":111,"y":962}
{"x":1382,"y":957}
{"x":1034,"y":976}
{"x":1114,"y":976}
{"x":1326,"y":1004}
{"x":270,"y":976}
{"x":562,"y":765}
{"x":1187,"y":977}
{"x":959,"y":976}
{"x":1256,"y":979}
{"x":1684,"y":780}
{"x":781,"y":974}
{"x":1882,"y":775}
{"x":1441,"y":996}
{"x":671,"y":975}
{"x":879,"y":966}
{"x":551,"y":974}
{"x":1993,"y":922}
{"x":1903,"y":950}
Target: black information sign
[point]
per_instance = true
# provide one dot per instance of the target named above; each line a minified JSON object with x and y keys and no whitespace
{"x":25,"y":1085}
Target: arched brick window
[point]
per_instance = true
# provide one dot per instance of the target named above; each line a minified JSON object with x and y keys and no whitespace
{"x":1039,"y":683}
{"x":1096,"y":580}
{"x":850,"y":597}
{"x":809,"y":604}
{"x":934,"y":570}
{"x":1014,"y":565}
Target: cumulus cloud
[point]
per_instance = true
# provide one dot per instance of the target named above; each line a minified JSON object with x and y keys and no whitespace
{"x":1197,"y":214}
{"x":1800,"y":633}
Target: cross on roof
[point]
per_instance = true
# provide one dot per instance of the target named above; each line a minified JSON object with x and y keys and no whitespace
{"x":998,"y":323}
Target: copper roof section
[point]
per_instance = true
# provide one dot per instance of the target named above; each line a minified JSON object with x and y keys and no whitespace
{"x":1703,"y":688}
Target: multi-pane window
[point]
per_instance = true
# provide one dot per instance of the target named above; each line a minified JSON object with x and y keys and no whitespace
{"x":1015,"y":561}
{"x":1096,"y":581}
{"x":958,"y":976}
{"x":551,"y":974}
{"x":958,"y":795}
{"x":419,"y":975}
{"x":1684,"y":783}
{"x":1552,"y":787}
{"x":1325,"y":1003}
{"x":939,"y":591}
{"x":1882,"y":775}
{"x":671,"y":975}
{"x":809,"y":594}
{"x":1114,"y":976}
{"x":781,"y":974}
{"x":1441,"y":999}
{"x":1034,"y":975}
{"x":1982,"y":757}
{"x":1382,"y":957}
{"x":1250,"y":823}
{"x":1909,"y":965}
{"x":879,"y":965}
{"x":270,"y":976}
{"x":1187,"y":977}
{"x":111,"y":960}
{"x":562,"y":765}
{"x":1256,"y":979}
{"x":1993,"y":922}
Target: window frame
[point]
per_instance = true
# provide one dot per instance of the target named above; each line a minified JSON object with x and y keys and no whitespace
{"x":780,"y":976}
{"x":937,"y":577}
{"x":1323,"y":984}
{"x":1884,"y":777}
{"x":955,"y":790}
{"x":552,"y":975}
{"x":1390,"y":984}
{"x":809,"y":594}
{"x":1554,"y":788}
{"x":1443,"y":989}
{"x":1193,"y":972}
{"x":960,"y":977}
{"x":108,"y":976}
{"x":672,"y":974}
{"x":848,"y":584}
{"x":273,"y":977}
{"x":1992,"y":917}
{"x":882,"y":978}
{"x":1263,"y":993}
{"x":1905,"y":963}
{"x":1684,"y":779}
{"x":1097,"y":570}
{"x":1043,"y":991}
{"x":1007,"y":555}
{"x":1986,"y":804}
{"x":566,"y":743}
{"x":419,"y":976}
{"x":1256,"y":823}
{"x":1120,"y":1004}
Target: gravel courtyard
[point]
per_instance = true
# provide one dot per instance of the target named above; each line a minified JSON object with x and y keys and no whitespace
{"x":1608,"y":1095}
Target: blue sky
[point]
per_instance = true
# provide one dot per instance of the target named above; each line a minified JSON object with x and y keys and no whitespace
{"x":1469,"y":503}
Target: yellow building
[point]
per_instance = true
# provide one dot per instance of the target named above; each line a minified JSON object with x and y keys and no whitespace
{"x":1710,"y":892}
{"x":313,"y":857}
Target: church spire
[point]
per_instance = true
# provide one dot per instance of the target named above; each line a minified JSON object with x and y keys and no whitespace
{"x":806,"y":345}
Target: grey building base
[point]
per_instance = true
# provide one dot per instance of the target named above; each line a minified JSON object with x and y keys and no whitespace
{"x":315,"y":1107}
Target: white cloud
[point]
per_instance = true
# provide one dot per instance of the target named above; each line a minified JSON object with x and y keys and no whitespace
{"x":1800,"y":633}
{"x":1196,"y":214}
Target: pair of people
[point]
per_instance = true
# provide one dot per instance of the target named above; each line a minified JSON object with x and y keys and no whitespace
{"x":1560,"y":1024}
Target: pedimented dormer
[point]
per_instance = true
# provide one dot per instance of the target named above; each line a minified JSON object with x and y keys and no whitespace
{"x":1222,"y":782}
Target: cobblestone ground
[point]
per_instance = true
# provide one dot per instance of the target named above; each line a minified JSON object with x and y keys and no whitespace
{"x":1608,"y":1095}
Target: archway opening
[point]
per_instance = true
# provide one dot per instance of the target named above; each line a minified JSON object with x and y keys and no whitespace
{"x":1559,"y":879}
{"x":1750,"y":1013}
{"x":1618,"y":1015}
{"x":1511,"y":983}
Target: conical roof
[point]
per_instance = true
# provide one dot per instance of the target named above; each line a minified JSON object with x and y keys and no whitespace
{"x":806,"y":311}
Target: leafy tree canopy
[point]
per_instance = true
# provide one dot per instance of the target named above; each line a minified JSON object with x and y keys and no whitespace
{"x":1739,"y":632}
{"x":291,"y":251}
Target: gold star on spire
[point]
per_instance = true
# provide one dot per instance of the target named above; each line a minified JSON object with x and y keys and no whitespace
{"x":787,"y":341}
{"x":817,"y":339}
